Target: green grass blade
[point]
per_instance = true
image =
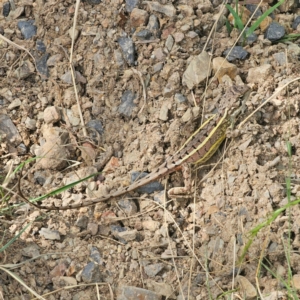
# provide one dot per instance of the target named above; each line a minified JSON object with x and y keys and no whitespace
{"x":262,"y":17}
{"x":228,"y":27}
{"x":237,"y":20}
{"x":14,"y":238}
{"x":255,"y":230}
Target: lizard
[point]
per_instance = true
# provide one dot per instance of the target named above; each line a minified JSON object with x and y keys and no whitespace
{"x":198,"y":148}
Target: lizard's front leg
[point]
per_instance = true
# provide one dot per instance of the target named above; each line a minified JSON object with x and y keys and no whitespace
{"x":185,"y":190}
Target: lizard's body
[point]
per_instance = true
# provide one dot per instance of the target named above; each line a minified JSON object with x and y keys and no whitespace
{"x":197,"y":149}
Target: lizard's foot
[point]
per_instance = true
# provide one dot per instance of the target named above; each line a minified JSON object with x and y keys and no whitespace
{"x":183,"y":191}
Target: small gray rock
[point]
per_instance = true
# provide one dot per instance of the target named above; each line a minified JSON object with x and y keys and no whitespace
{"x":40,"y":46}
{"x":95,"y":129}
{"x":274,"y":32}
{"x":128,"y":49}
{"x":82,"y":222}
{"x":127,"y":105}
{"x":27,"y":28}
{"x":179,"y":98}
{"x":153,"y":24}
{"x":6,"y":9}
{"x":148,"y":188}
{"x":128,"y":206}
{"x":237,"y":52}
{"x":153,"y":270}
{"x":49,"y":234}
{"x":8,"y":128}
{"x":91,"y":273}
{"x":252,"y":8}
{"x":144,"y":34}
{"x":131,"y":4}
{"x":41,"y":65}
{"x":296,"y":22}
{"x":96,"y":256}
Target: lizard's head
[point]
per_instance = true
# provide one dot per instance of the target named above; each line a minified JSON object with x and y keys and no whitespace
{"x":234,"y":100}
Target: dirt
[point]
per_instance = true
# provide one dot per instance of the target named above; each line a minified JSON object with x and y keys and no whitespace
{"x":185,"y":248}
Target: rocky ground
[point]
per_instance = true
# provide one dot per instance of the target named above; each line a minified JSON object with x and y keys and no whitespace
{"x":147,"y":74}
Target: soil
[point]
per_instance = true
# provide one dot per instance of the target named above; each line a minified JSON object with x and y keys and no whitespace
{"x":181,"y":249}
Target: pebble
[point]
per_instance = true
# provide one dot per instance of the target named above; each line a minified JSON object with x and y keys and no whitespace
{"x":178,"y":36}
{"x":197,"y":70}
{"x":172,"y":85}
{"x":91,"y":273}
{"x":280,"y":58}
{"x":49,"y":234}
{"x":296,"y":281}
{"x":8,"y":128}
{"x":236,"y":52}
{"x":169,"y":42}
{"x":67,"y":78}
{"x":96,"y":256}
{"x":52,"y":114}
{"x":6,"y":9}
{"x":59,"y":269}
{"x":131,"y":4}
{"x":133,"y":293}
{"x":25,"y":70}
{"x":157,"y":67}
{"x":167,"y":9}
{"x":31,"y":250}
{"x":153,"y":270}
{"x":82,"y":222}
{"x":294,"y":49}
{"x":259,"y":74}
{"x":93,"y":228}
{"x":72,"y":32}
{"x":158,"y":54}
{"x":27,"y":28}
{"x":40,"y":177}
{"x":222,"y":67}
{"x":40,"y":46}
{"x":127,"y":105}
{"x":252,"y":8}
{"x":16,"y":13}
{"x":128,"y":235}
{"x":128,"y":49}
{"x":148,"y":188}
{"x":144,"y":34}
{"x":274,"y":32}
{"x":248,"y":291}
{"x":41,"y":65}
{"x":96,"y":129}
{"x":179,"y":98}
{"x":192,"y":34}
{"x":73,"y":119}
{"x":296,"y":22}
{"x":53,"y":153}
{"x":30,"y":123}
{"x":15,"y":103}
{"x":139,"y":17}
{"x":164,"y":112}
{"x":153,"y":24}
{"x":128,"y":206}
{"x":151,"y":225}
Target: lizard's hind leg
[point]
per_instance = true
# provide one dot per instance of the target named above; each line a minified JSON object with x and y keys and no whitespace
{"x":183,"y":191}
